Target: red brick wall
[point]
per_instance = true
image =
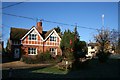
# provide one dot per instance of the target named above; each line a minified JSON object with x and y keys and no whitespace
{"x":27,"y":41}
{"x":24,"y":49}
{"x":39,"y":45}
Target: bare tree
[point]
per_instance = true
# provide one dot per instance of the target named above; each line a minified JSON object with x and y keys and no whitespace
{"x":115,"y":40}
{"x":103,"y":40}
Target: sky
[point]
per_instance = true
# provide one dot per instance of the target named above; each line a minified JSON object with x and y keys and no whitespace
{"x":82,"y":14}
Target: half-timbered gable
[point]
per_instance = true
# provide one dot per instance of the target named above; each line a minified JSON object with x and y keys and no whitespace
{"x":32,"y":38}
{"x":34,"y":41}
{"x":53,"y":39}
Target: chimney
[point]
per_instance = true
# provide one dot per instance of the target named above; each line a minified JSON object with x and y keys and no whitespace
{"x":39,"y":27}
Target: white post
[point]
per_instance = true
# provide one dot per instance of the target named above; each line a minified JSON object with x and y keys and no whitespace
{"x":103,"y":20}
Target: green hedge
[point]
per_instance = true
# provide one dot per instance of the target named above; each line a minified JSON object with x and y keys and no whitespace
{"x":44,"y":57}
{"x":41,"y":58}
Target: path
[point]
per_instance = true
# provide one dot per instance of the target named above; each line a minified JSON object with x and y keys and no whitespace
{"x":19,"y":64}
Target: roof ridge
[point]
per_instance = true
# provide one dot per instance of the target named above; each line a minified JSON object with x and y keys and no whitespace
{"x":20,"y":28}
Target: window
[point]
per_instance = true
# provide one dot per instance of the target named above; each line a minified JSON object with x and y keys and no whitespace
{"x":32,"y":51}
{"x":32,"y":37}
{"x":15,"y":42}
{"x":52,"y":38}
{"x":53,"y":51}
{"x":92,"y":47}
{"x":16,"y":52}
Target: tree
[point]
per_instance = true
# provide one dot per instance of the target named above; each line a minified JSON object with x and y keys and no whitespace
{"x":58,"y":30}
{"x":115,"y":40}
{"x":67,"y":44}
{"x":71,"y":45}
{"x":8,"y":47}
{"x":103,"y":41}
{"x":119,"y":45}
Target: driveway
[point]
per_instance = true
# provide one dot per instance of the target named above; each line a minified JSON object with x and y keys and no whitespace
{"x":19,"y":64}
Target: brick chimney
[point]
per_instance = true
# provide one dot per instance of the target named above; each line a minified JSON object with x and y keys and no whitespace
{"x":39,"y":27}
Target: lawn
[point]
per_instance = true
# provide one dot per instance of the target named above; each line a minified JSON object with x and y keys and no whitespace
{"x":34,"y":72}
{"x":52,"y":70}
{"x":94,"y":69}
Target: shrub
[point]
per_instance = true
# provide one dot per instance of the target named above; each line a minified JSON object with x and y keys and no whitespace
{"x":58,"y":58}
{"x":44,"y":57}
{"x":103,"y":56}
{"x":28,"y":60}
{"x":41,"y":58}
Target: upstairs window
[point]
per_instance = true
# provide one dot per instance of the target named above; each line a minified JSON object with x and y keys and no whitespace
{"x":32,"y":51}
{"x":92,"y":47}
{"x":15,"y":42}
{"x":52,"y":38}
{"x":32,"y":37}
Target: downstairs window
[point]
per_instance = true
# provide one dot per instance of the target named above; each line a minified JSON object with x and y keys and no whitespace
{"x":32,"y":51}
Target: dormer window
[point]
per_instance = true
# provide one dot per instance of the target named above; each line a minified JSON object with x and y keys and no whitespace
{"x":32,"y":37}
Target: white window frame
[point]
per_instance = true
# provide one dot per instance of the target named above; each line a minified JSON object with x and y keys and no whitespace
{"x":31,"y":35}
{"x":31,"y":51}
{"x":53,"y":51}
{"x":53,"y":38}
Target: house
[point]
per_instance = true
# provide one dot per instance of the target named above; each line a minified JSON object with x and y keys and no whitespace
{"x":92,"y":49}
{"x":1,"y":46}
{"x":31,"y":42}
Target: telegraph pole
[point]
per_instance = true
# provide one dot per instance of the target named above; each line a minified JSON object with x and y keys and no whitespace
{"x":103,"y":20}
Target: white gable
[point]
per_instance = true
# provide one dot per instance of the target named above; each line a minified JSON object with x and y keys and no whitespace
{"x":53,"y":33}
{"x":32,"y":31}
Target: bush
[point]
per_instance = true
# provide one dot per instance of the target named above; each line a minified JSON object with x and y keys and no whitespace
{"x":58,"y":58}
{"x":44,"y":57}
{"x":103,"y":56}
{"x":41,"y":58}
{"x":28,"y":60}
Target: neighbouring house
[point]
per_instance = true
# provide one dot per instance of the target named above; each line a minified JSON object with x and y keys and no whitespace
{"x":1,"y":46}
{"x":34,"y":41}
{"x":92,"y":49}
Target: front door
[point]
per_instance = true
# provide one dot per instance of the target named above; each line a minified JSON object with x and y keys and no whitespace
{"x":16,"y":53}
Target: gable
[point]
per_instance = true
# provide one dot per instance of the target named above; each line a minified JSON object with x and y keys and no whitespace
{"x":33,"y":30}
{"x":52,"y":33}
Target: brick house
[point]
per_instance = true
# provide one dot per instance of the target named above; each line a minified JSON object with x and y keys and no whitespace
{"x":34,"y":41}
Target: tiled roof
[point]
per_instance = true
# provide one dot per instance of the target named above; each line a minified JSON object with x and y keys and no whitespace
{"x":17,"y":33}
{"x":92,"y":44}
{"x":48,"y":32}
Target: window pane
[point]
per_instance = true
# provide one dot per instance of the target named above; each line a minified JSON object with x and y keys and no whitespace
{"x":31,"y":50}
{"x":32,"y":37}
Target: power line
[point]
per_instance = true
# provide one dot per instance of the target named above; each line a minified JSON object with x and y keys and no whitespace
{"x":19,"y":16}
{"x":48,"y":21}
{"x":3,"y":34}
{"x":13,"y":4}
{"x":67,"y":24}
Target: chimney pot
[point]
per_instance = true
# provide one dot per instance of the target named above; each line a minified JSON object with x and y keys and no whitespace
{"x":39,"y":24}
{"x":39,"y":27}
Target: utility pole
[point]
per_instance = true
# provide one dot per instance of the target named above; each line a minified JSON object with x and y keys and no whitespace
{"x":103,"y":21}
